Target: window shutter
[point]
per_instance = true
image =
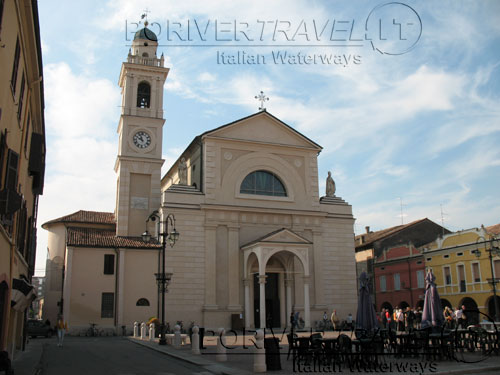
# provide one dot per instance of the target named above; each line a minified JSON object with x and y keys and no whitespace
{"x":36,"y":164}
{"x":10,"y":200}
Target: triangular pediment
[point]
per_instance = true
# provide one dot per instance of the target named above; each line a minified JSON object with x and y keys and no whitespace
{"x":263,"y":127}
{"x":282,"y":236}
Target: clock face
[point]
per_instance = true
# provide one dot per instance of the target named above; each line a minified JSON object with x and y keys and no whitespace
{"x":142,"y":139}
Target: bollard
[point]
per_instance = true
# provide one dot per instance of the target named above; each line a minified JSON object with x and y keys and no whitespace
{"x":136,"y":329}
{"x":151,"y":332}
{"x":221,"y":355}
{"x":259,"y":359}
{"x":143,"y":331}
{"x":195,"y":340}
{"x":177,"y":336}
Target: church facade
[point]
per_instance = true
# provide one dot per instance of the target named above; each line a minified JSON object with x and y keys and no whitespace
{"x":256,"y":240}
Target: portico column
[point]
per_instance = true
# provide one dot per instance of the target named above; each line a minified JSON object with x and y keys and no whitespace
{"x":262,"y":298}
{"x":288,"y":286}
{"x":246,"y":283}
{"x":307,"y":305}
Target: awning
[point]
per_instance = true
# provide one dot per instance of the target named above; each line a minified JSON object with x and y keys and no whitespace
{"x":23,"y":293}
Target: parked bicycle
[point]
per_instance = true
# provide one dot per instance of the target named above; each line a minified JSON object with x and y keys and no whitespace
{"x":92,"y":330}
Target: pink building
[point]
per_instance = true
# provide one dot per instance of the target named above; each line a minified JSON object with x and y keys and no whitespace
{"x":399,"y":277}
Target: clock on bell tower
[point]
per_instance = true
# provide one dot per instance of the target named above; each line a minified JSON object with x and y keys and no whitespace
{"x":139,"y":160}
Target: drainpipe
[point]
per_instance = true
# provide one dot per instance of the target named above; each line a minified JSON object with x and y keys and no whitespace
{"x":409,"y":276}
{"x":116,"y":287}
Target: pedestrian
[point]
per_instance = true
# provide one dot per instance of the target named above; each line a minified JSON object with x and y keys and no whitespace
{"x":325,"y":320}
{"x":349,"y":322}
{"x":335,"y":320}
{"x":62,"y":327}
{"x":448,"y":317}
{"x":418,"y":317}
{"x":465,"y":318}
{"x":388,"y":318}
{"x":401,"y":320}
{"x":293,"y":324}
{"x":297,"y":319}
{"x":410,"y":318}
{"x":384,"y":318}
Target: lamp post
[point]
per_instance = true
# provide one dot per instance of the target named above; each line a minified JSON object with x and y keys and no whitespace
{"x":494,"y":250}
{"x":163,"y":279}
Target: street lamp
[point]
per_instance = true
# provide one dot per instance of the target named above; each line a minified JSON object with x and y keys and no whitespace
{"x":162,"y":278}
{"x":494,"y":250}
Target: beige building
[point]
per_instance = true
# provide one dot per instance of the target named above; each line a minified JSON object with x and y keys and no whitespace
{"x":22,"y":162}
{"x":256,"y":240}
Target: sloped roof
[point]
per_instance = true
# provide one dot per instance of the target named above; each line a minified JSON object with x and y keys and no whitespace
{"x":91,"y":237}
{"x":495,"y":229}
{"x":198,"y":138}
{"x":84,"y":217}
{"x":371,"y":237}
{"x":263,"y":112}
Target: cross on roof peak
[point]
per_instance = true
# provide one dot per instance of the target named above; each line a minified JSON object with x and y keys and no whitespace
{"x":261,"y":98}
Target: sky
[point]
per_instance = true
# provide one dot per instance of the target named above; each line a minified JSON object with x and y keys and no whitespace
{"x":403,"y":97}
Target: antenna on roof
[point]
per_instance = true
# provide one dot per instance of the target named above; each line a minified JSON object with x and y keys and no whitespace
{"x":442,"y":218}
{"x":401,"y":205}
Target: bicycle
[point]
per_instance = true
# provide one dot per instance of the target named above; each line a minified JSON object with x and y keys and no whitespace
{"x":92,"y":330}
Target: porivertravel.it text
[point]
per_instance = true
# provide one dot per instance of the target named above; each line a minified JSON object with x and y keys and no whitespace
{"x":286,"y":58}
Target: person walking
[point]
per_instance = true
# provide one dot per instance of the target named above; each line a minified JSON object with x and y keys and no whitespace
{"x":62,"y":327}
{"x":293,"y":323}
{"x":325,"y":321}
{"x":388,"y":318}
{"x":349,"y":322}
{"x":335,"y":320}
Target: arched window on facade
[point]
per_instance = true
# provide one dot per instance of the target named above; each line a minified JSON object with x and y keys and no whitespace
{"x":143,"y":95}
{"x":263,"y":183}
{"x":142,"y":302}
{"x":145,"y":54}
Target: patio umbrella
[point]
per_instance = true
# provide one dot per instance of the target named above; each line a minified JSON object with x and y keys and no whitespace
{"x":432,"y":316}
{"x":366,"y":317}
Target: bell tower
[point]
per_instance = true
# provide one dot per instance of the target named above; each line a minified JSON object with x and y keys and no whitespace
{"x":139,"y":160}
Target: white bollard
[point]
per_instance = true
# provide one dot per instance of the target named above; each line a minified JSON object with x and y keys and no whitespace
{"x":136,"y":329}
{"x":221,"y":355}
{"x":195,"y":340}
{"x":143,"y":331}
{"x":259,"y":359}
{"x":151,"y":332}
{"x":177,"y":336}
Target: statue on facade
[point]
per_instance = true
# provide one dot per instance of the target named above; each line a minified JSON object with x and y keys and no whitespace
{"x":183,"y":180}
{"x":330,"y":185}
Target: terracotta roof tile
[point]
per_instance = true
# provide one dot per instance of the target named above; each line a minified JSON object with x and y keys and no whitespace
{"x":91,"y":237}
{"x":380,"y":234}
{"x":90,"y":217}
{"x":495,"y":229}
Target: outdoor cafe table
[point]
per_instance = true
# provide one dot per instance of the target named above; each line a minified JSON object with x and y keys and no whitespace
{"x":440,"y":344}
{"x":403,"y":341}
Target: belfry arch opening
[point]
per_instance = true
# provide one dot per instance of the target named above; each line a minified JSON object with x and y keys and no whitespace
{"x":143,"y":94}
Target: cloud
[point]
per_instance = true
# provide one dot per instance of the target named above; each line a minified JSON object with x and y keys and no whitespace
{"x":81,"y":118}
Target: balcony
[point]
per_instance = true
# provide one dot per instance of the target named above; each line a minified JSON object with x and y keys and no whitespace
{"x":150,"y":61}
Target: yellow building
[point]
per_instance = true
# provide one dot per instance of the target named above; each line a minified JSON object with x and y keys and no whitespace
{"x":22,"y":161}
{"x":461,"y":263}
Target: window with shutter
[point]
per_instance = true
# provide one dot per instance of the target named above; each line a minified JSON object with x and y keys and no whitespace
{"x":15,"y":67}
{"x":21,"y":99}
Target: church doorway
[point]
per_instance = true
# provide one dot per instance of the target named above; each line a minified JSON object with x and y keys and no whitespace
{"x":273,"y":319}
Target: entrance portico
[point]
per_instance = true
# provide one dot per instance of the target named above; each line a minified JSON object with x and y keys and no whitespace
{"x":276,"y":253}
